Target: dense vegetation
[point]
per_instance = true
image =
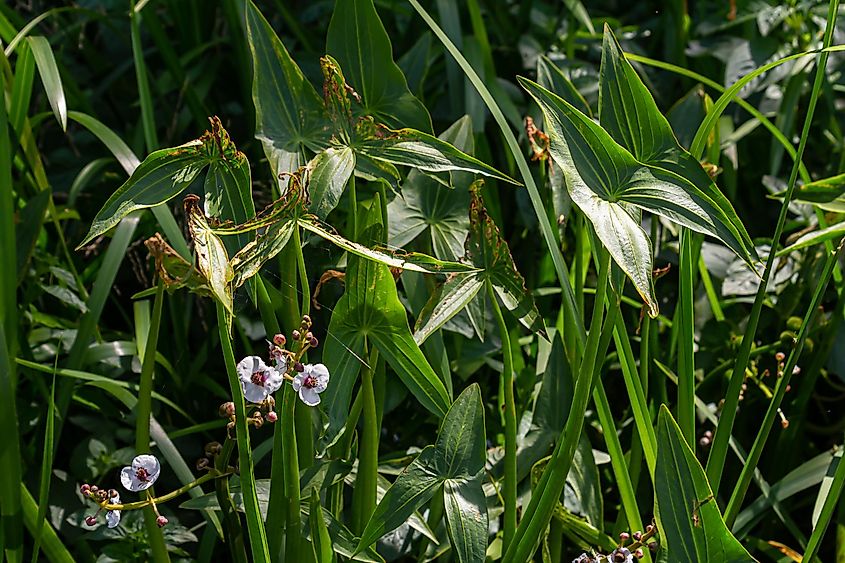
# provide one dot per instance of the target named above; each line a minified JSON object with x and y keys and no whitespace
{"x":413,"y":280}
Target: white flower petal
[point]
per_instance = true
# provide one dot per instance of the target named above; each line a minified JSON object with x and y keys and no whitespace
{"x":281,"y":364}
{"x":129,"y":480}
{"x":297,"y":381}
{"x":252,"y":392}
{"x":149,"y":463}
{"x":309,"y":396}
{"x":274,"y":380}
{"x":113,"y":518}
{"x":248,"y":366}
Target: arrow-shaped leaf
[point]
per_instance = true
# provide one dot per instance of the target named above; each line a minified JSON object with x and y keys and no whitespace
{"x":212,"y":259}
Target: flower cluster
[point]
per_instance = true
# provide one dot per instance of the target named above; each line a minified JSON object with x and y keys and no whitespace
{"x":626,"y":552}
{"x":259,"y":380}
{"x":137,"y":477}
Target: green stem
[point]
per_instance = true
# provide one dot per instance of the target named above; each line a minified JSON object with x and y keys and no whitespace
{"x":364,"y":494}
{"x":169,"y":496}
{"x":234,"y":531}
{"x":719,"y":448}
{"x":763,"y":433}
{"x":686,"y":330}
{"x":142,"y":420}
{"x":290,"y":456}
{"x":826,"y":512}
{"x":305,"y":436}
{"x":509,"y":488}
{"x":353,"y":208}
{"x":255,"y":527}
{"x":539,"y":511}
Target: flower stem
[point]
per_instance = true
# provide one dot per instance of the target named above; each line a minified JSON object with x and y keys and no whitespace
{"x":234,"y":531}
{"x":291,"y":471}
{"x":509,"y":492}
{"x":364,"y":494}
{"x":151,"y":500}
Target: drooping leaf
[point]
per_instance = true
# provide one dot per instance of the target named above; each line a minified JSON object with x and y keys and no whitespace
{"x":449,"y":299}
{"x":49,"y":72}
{"x":691,"y":527}
{"x":628,"y":112}
{"x":211,"y":257}
{"x":408,"y":147}
{"x":604,"y":179}
{"x":413,"y":261}
{"x":327,"y":175}
{"x":163,"y":175}
{"x":359,"y":42}
{"x":289,"y":113}
{"x":248,"y":261}
{"x":173,"y":270}
{"x":489,"y":251}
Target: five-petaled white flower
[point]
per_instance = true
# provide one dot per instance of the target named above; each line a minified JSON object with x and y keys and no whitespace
{"x":258,"y":379}
{"x":113,"y":516}
{"x":141,"y":475}
{"x":310,"y":382}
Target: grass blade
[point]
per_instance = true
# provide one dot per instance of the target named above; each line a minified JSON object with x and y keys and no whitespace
{"x":49,"y":72}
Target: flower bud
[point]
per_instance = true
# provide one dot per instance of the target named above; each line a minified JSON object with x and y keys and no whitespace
{"x":113,"y":493}
{"x":227,"y":410}
{"x":780,"y":356}
{"x":652,"y":546}
{"x":279,"y":340}
{"x":639,"y":553}
{"x":94,"y":489}
{"x":213,"y":448}
{"x":257,"y":420}
{"x":299,"y":367}
{"x":650,"y":528}
{"x":295,"y":335}
{"x":202,"y":464}
{"x":91,"y":521}
{"x":272,"y":416}
{"x":161,"y":521}
{"x":638,"y":535}
{"x":306,"y":320}
{"x":85,"y":489}
{"x":313,"y":342}
{"x":624,"y":536}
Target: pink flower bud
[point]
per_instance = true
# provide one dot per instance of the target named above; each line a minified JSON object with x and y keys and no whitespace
{"x":295,"y":335}
{"x":272,"y":416}
{"x":279,"y":340}
{"x":91,"y":521}
{"x":85,"y":489}
{"x":161,"y":521}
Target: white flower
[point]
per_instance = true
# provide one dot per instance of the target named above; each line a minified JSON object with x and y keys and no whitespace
{"x":278,"y":356}
{"x":258,"y":379}
{"x":142,"y":474}
{"x":312,"y":381}
{"x":113,"y":516}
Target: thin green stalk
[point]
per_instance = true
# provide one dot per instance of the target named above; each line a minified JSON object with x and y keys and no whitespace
{"x":364,"y":494}
{"x":719,"y":448}
{"x":712,"y":296}
{"x":353,"y":207}
{"x":293,"y":524}
{"x":827,"y":512}
{"x":255,"y":527}
{"x":234,"y":532}
{"x":763,"y":433}
{"x":510,"y":479}
{"x":146,"y":100}
{"x":533,"y":193}
{"x":686,"y":332}
{"x":143,"y":410}
{"x":305,"y":437}
{"x":539,"y":511}
{"x":46,"y":465}
{"x":617,"y":458}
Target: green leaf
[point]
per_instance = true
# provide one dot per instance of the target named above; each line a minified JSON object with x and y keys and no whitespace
{"x":628,"y":112}
{"x":228,"y":185}
{"x":211,"y":257}
{"x":248,"y":261}
{"x":425,"y":205}
{"x":449,"y":299}
{"x":691,"y":527}
{"x":489,"y":251}
{"x":413,"y":261}
{"x":320,"y":540}
{"x":466,"y":518}
{"x":551,"y":77}
{"x":359,"y":42}
{"x":604,"y":180}
{"x":327,"y":175}
{"x":422,"y":151}
{"x":163,"y":175}
{"x":370,"y":307}
{"x":456,"y":461}
{"x":289,"y":113}
{"x":833,"y":232}
{"x":826,"y":193}
{"x":49,"y":72}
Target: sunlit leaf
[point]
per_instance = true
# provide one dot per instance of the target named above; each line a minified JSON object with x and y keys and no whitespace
{"x":327,"y":176}
{"x":211,"y":257}
{"x":49,"y":72}
{"x":359,"y":42}
{"x":691,"y":527}
{"x":248,"y":261}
